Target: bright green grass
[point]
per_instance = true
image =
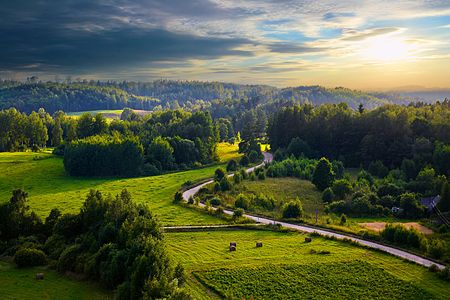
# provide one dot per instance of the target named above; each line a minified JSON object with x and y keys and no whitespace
{"x":21,"y":284}
{"x":343,"y":280}
{"x":203,"y":251}
{"x":282,"y":190}
{"x":49,"y":186}
{"x":110,"y":112}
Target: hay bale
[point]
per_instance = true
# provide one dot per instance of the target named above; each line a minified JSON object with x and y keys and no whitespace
{"x":40,"y":276}
{"x":233,"y":244}
{"x":232,"y":248}
{"x":259,"y":244}
{"x":308,"y":239}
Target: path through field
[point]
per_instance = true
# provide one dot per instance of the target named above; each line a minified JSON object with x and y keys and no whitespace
{"x":304,"y":228}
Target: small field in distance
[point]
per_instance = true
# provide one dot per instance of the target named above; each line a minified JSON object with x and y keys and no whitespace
{"x":42,"y":175}
{"x":205,"y":253}
{"x":113,"y":114}
{"x":21,"y":284}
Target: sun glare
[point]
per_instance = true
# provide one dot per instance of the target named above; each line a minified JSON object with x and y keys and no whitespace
{"x":387,"y":49}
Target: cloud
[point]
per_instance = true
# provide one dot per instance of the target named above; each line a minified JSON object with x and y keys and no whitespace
{"x":293,"y":48}
{"x":354,"y":35}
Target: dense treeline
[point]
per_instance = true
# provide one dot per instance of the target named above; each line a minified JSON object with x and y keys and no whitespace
{"x":103,"y":155}
{"x":111,"y":240}
{"x":164,"y":140}
{"x":165,"y":94}
{"x":389,"y":134}
{"x":31,"y":96}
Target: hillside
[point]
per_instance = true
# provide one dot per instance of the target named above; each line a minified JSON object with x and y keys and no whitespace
{"x":94,"y":95}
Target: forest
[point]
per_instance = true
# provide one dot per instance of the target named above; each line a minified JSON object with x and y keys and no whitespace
{"x":83,"y":95}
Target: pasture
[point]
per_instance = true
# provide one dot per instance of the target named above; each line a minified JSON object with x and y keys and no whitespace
{"x":286,"y":260}
{"x":42,"y":175}
{"x":21,"y":284}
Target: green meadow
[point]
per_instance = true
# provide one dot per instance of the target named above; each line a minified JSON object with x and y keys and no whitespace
{"x":286,"y":267}
{"x":42,"y":175}
{"x":18,"y":283}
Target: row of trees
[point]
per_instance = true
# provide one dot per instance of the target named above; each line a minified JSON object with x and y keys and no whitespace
{"x":111,"y":240}
{"x":166,"y":140}
{"x":388,"y":134}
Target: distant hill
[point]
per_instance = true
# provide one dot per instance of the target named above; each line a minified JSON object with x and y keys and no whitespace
{"x":95,"y":95}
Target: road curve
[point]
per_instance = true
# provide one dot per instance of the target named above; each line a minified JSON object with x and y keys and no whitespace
{"x":304,"y":228}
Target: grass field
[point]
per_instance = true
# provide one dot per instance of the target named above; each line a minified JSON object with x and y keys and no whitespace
{"x":204,"y":253}
{"x":42,"y":175}
{"x":109,"y":114}
{"x":21,"y":284}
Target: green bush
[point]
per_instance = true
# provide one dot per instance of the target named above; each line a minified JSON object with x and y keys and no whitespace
{"x":219,"y":174}
{"x":215,"y":201}
{"x":239,"y":212}
{"x":237,"y":178}
{"x":232,"y":165}
{"x":178,"y":197}
{"x":292,"y":209}
{"x":242,"y":202}
{"x":327,"y":195}
{"x":26,"y":257}
{"x":225,"y":184}
{"x":261,"y":175}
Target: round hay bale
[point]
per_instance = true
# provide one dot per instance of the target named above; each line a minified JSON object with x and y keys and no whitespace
{"x":40,"y":276}
{"x":232,"y":248}
{"x":259,"y":244}
{"x":233,"y":244}
{"x":308,"y":239}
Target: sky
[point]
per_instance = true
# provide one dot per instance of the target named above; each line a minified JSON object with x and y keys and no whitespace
{"x":360,"y":44}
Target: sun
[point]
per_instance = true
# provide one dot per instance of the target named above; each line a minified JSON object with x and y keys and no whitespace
{"x":386,"y":49}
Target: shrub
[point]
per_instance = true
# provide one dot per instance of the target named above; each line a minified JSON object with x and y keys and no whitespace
{"x":225,"y":184}
{"x":26,"y":257}
{"x":216,"y":187}
{"x":215,"y":201}
{"x":323,"y":174}
{"x":343,"y":219}
{"x":292,"y":209}
{"x":191,"y":200}
{"x":237,"y":178}
{"x":239,"y":212}
{"x":261,"y":175}
{"x":265,"y":202}
{"x":341,"y":188}
{"x":244,"y":161}
{"x":242,"y":202}
{"x":328,"y":195}
{"x":178,"y":197}
{"x":436,"y":248}
{"x":232,"y":165}
{"x":252,"y":176}
{"x":219,"y":174}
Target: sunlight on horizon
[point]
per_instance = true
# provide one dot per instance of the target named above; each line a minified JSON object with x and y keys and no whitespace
{"x":386,"y":49}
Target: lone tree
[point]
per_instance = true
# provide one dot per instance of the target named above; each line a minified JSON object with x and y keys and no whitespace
{"x":323,"y":174}
{"x":293,"y":209}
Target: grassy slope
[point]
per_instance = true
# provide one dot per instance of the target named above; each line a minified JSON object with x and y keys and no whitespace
{"x":203,"y":251}
{"x":49,"y":186}
{"x":20,"y":284}
{"x":285,"y":189}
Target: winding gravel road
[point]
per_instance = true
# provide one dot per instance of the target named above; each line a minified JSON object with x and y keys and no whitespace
{"x":304,"y":228}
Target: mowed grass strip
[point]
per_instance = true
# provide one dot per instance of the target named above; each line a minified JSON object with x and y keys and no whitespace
{"x":42,"y":175}
{"x":342,"y":280}
{"x":208,"y":251}
{"x":21,"y":284}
